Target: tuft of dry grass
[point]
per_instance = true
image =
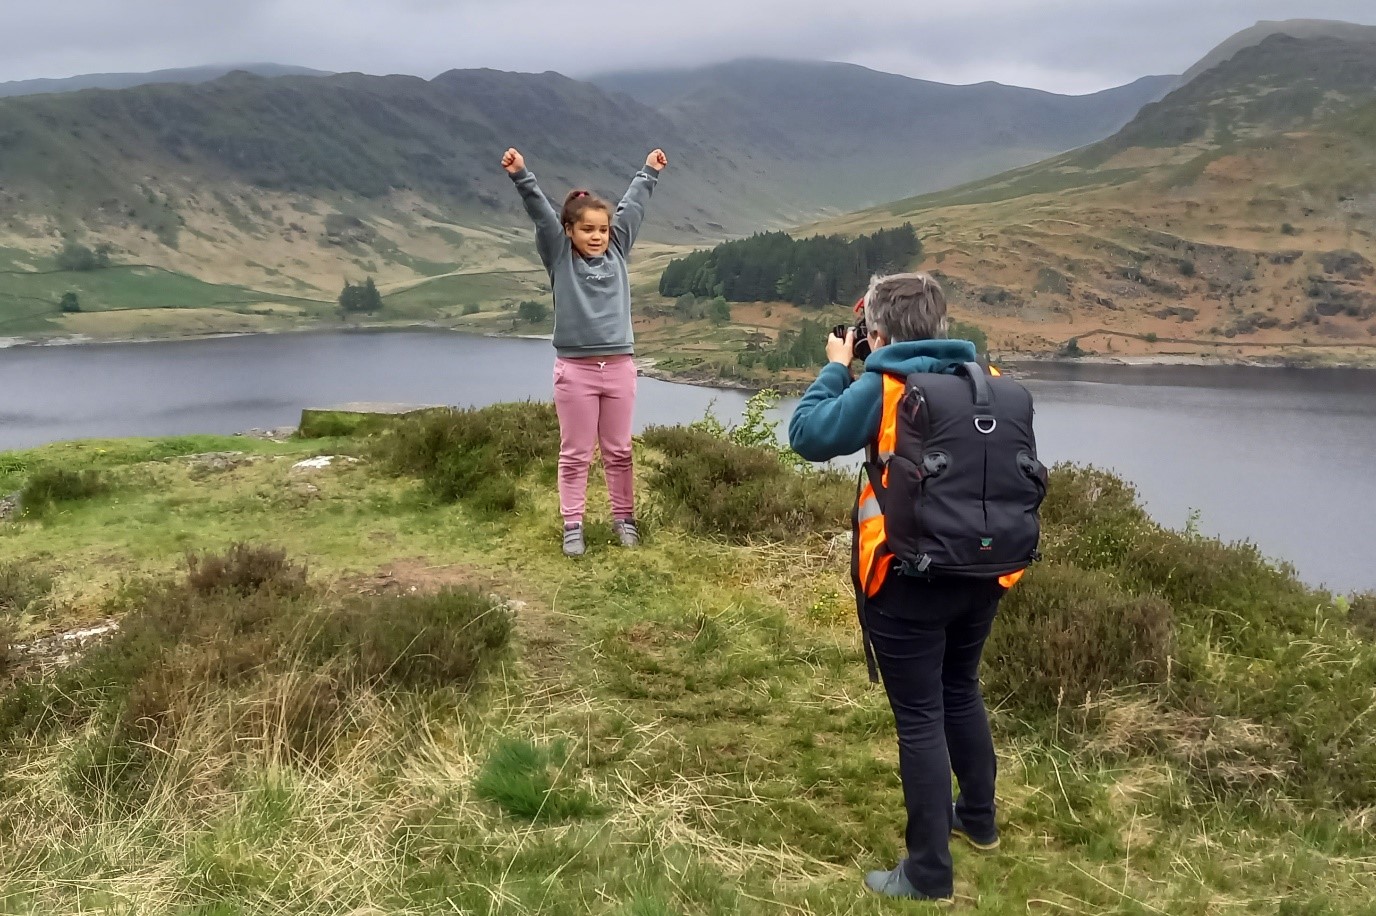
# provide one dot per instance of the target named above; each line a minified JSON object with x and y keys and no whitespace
{"x":1227,"y":754}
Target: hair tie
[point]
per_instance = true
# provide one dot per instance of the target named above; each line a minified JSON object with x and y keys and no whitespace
{"x":578,"y":194}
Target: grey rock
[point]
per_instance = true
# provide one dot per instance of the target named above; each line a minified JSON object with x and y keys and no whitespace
{"x":218,"y":462}
{"x":274,"y":434}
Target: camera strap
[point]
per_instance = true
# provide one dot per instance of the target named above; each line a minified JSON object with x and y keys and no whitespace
{"x":871,"y":665}
{"x":862,"y":588}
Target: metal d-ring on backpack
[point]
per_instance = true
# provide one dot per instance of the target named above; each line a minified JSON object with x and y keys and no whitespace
{"x":951,"y":486}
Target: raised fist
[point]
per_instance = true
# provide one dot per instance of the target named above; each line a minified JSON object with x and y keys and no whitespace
{"x":657,"y":160}
{"x":513,"y":161}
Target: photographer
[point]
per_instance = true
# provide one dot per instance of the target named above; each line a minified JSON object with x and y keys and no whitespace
{"x":926,"y":631}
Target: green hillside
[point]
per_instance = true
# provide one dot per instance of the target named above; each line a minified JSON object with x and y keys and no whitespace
{"x":107,"y":157}
{"x":246,"y":202}
{"x":292,"y":186}
{"x":1232,"y":218}
{"x":392,"y":702}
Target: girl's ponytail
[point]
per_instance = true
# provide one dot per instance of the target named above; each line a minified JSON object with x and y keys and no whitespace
{"x":579,"y":202}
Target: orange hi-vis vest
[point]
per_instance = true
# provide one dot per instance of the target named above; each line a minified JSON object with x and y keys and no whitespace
{"x":872,"y":557}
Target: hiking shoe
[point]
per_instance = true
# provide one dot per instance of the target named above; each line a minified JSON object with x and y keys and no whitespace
{"x":573,"y":540}
{"x":896,"y":884}
{"x":980,"y":841}
{"x":627,"y":531}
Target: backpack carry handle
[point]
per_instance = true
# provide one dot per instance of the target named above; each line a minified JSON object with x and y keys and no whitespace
{"x":984,"y":395}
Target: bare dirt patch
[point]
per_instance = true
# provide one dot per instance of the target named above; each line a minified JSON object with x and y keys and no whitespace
{"x":415,"y":575}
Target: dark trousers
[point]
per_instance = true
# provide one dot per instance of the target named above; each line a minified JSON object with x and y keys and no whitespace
{"x":928,"y":635}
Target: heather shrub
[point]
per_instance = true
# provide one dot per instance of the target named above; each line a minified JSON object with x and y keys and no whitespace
{"x":23,"y":588}
{"x":411,"y":641}
{"x":47,"y":488}
{"x":1230,"y":589}
{"x":476,"y":457}
{"x":243,"y":647}
{"x":7,"y":639}
{"x":1093,"y":520}
{"x":1265,"y":686}
{"x":716,"y":488}
{"x":1090,"y":517}
{"x":1065,"y":633}
{"x":244,"y":570}
{"x":1361,"y":614}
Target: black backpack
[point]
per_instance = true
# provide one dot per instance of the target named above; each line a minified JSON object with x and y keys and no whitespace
{"x":964,"y":483}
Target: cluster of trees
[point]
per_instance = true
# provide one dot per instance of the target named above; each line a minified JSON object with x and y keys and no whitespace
{"x":960,"y":330}
{"x":773,"y":266}
{"x":533,"y":311}
{"x":75,"y":256}
{"x":690,"y":307}
{"x":803,"y":347}
{"x":360,"y":297}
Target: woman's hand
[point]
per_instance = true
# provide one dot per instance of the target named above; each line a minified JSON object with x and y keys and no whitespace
{"x":657,"y":160}
{"x":513,"y":161}
{"x":841,"y":349}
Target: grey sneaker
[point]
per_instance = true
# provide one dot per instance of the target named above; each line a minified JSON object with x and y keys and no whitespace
{"x":573,"y":540}
{"x":627,"y":531}
{"x":896,"y":884}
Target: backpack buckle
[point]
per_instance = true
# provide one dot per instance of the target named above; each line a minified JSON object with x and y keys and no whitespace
{"x":916,"y":569}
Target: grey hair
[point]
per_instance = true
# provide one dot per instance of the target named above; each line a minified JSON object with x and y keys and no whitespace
{"x":906,"y":307}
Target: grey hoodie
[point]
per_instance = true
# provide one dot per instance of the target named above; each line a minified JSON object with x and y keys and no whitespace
{"x":592,"y":296}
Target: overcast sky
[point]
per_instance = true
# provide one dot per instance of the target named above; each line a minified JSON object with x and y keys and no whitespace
{"x":1060,"y":45}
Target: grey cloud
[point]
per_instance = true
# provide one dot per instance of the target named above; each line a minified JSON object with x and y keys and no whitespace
{"x":1060,"y":45}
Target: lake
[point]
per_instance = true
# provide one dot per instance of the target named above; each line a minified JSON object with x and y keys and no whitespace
{"x":1281,"y":457}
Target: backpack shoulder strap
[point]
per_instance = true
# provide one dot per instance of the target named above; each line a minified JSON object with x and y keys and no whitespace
{"x":887,"y":441}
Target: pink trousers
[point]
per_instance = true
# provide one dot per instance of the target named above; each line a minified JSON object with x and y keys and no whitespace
{"x":595,"y":397}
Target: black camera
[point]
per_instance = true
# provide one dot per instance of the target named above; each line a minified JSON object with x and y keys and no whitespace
{"x":862,"y":337}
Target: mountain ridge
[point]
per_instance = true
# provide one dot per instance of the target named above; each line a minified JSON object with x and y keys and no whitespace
{"x":1256,"y":34}
{"x":129,"y":80}
{"x":274,"y":182}
{"x":869,"y":127}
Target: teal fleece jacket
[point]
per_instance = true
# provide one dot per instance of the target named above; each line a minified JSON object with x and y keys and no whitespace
{"x":838,"y":416}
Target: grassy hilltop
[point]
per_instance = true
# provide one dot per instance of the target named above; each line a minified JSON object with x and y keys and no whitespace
{"x":395,"y":696}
